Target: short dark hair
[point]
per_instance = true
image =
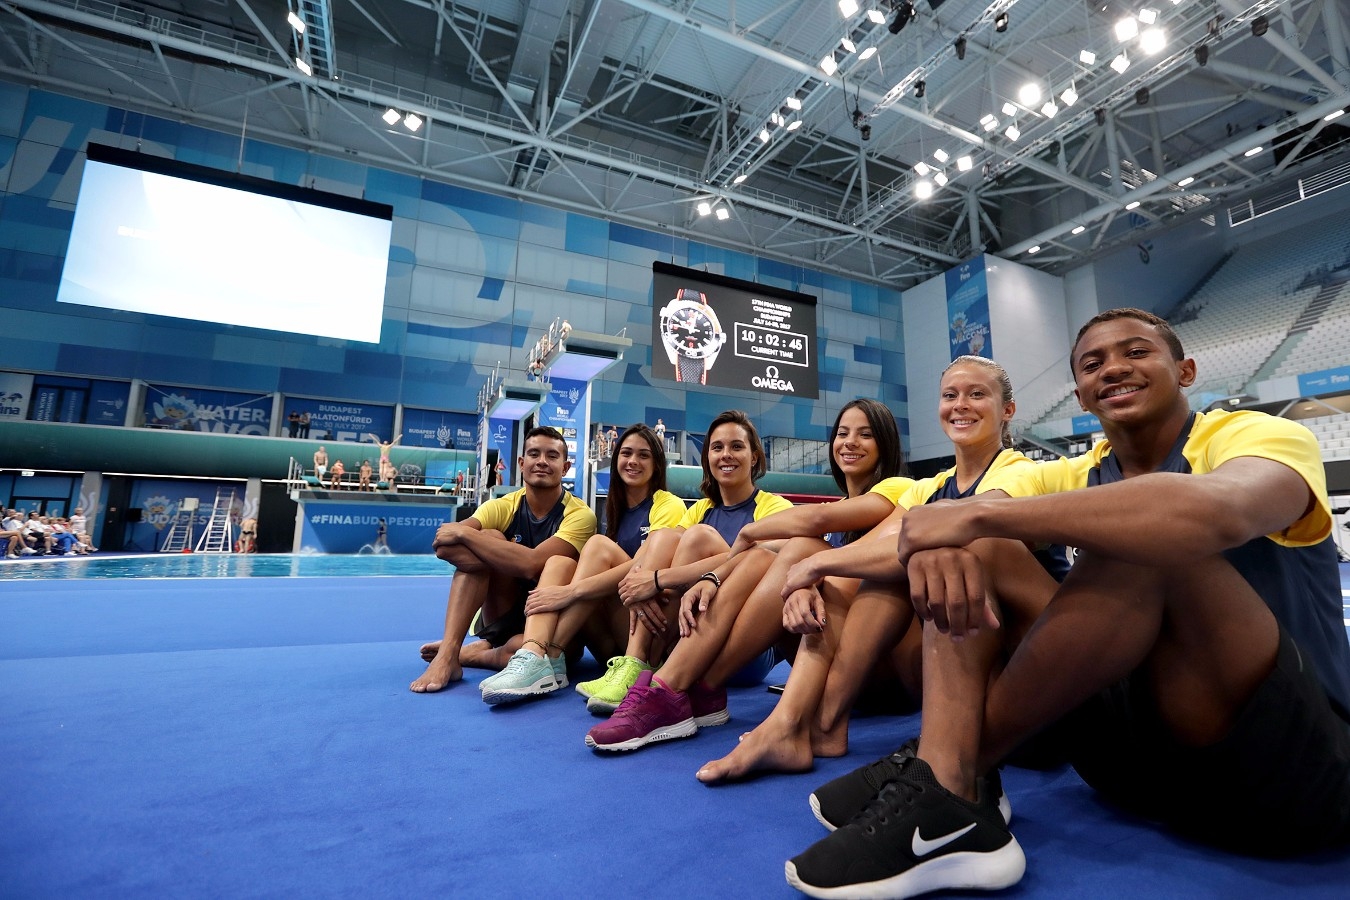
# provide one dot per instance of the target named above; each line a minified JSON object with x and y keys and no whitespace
{"x":1129,"y":312}
{"x":544,"y":431}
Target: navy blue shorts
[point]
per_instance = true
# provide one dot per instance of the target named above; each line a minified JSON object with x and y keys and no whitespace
{"x":1277,"y":784}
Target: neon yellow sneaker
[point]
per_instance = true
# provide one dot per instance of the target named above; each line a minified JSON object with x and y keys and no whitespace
{"x":604,"y":694}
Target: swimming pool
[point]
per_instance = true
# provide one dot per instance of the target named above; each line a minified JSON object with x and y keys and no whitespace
{"x":225,"y":565}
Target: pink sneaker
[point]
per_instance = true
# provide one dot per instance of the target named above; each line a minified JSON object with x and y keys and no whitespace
{"x":649,"y":713}
{"x":709,"y":705}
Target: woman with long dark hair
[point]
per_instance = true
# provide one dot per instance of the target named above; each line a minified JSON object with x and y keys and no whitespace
{"x":731,"y":619}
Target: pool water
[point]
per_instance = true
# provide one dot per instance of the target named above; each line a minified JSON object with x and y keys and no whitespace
{"x":224,"y":565}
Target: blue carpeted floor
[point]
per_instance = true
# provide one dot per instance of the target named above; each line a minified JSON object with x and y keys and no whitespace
{"x":255,"y":737}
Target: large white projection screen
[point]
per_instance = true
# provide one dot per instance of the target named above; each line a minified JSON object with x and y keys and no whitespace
{"x":165,"y":245}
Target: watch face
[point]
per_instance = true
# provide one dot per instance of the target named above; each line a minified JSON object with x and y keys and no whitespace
{"x":691,"y":331}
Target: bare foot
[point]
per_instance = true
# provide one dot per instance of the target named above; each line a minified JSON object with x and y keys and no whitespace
{"x":438,"y":676}
{"x":429,"y":650}
{"x":830,"y":743}
{"x":480,"y":655}
{"x":766,"y":749}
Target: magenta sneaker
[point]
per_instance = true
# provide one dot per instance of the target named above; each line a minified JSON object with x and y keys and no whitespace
{"x":649,"y":713}
{"x":709,"y":705}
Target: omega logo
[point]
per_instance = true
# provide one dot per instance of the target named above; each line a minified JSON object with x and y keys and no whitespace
{"x":771,"y":381}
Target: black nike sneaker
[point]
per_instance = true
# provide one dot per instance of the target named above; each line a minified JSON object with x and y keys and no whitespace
{"x":915,"y":837}
{"x":836,"y":802}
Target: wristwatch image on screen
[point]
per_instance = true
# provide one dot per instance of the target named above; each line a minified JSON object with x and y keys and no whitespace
{"x":691,"y":335}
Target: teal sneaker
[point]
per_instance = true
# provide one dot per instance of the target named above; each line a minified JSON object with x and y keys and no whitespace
{"x":606,"y":693}
{"x":525,"y":675}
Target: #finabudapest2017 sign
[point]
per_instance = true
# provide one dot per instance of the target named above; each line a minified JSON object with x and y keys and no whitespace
{"x":714,"y":330}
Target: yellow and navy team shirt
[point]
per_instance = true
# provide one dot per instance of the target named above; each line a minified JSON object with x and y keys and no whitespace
{"x":661,"y":509}
{"x":729,"y":520}
{"x":1005,"y":467}
{"x":569,"y":519}
{"x":890,"y":488}
{"x":1294,"y":570}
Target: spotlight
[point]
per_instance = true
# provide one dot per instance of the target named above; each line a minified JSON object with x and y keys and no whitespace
{"x":1001,"y":22}
{"x":941,"y":155}
{"x":920,"y":88}
{"x":296,"y":22}
{"x":1202,"y":54}
{"x":848,"y":7}
{"x":960,"y":47}
{"x":303,"y":66}
{"x":704,"y":208}
{"x":1141,"y":96}
{"x":1120,"y":64}
{"x":723,"y":213}
{"x":865,"y":131}
{"x":391,"y":116}
{"x":1069,"y":96}
{"x":964,"y":163}
{"x":1100,"y":115}
{"x":1260,"y":25}
{"x":923,"y":190}
{"x":1012,"y":132}
{"x":412,"y":121}
{"x":1087,"y":57}
{"x":903,"y":14}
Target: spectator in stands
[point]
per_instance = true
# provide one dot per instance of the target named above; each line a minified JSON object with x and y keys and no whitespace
{"x":730,"y":621}
{"x":1196,"y":652}
{"x":572,"y":594}
{"x":63,"y":540}
{"x":38,"y":533}
{"x":79,"y":523}
{"x":852,"y":633}
{"x":293,"y":424}
{"x":498,"y":554}
{"x":733,"y":461}
{"x":335,"y":475}
{"x":304,"y":425}
{"x":12,"y":532}
{"x":320,"y":463}
{"x":364,"y":483}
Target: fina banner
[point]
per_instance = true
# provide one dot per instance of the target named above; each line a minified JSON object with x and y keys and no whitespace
{"x":566,"y":410}
{"x":1324,"y":382}
{"x":355,"y":528}
{"x":331,"y":420}
{"x":197,"y":409}
{"x":157,"y":502}
{"x":968,"y":310}
{"x":433,"y":428}
{"x":15,"y":392}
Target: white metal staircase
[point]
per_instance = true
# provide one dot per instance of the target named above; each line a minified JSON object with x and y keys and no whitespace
{"x":218,"y":537}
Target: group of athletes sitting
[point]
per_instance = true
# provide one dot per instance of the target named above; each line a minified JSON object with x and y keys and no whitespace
{"x":1192,"y":663}
{"x":37,"y":535}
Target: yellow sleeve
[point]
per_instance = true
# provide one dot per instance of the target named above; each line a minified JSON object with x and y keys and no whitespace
{"x":497,"y":513}
{"x":578,"y":523}
{"x":892,"y":488}
{"x":766,"y":504}
{"x":667,"y":511}
{"x":1222,"y":436}
{"x":1009,"y":465}
{"x":919,"y":492}
{"x":695,"y":513}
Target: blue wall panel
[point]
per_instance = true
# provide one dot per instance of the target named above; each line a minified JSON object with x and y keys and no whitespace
{"x":474,"y":279}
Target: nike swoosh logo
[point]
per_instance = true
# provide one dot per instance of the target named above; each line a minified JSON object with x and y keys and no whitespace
{"x":922,"y":847}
